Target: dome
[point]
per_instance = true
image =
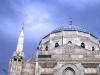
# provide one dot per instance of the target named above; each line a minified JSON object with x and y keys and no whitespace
{"x":64,"y":35}
{"x":73,"y":28}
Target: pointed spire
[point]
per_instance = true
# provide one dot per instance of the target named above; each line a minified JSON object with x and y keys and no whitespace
{"x":70,"y":23}
{"x":20,"y":43}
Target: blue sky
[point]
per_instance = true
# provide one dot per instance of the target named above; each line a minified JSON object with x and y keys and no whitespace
{"x":39,"y":18}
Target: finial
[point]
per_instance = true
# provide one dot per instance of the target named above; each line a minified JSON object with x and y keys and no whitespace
{"x":70,"y":23}
{"x":23,"y":27}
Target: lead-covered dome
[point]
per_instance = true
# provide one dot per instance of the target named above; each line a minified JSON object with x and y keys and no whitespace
{"x":73,"y":28}
{"x":63,"y":35}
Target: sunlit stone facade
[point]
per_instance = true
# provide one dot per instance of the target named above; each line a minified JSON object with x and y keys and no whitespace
{"x":62,"y":52}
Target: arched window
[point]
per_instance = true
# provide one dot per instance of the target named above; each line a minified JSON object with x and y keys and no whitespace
{"x":69,"y":42}
{"x":93,"y":48}
{"x":82,"y":45}
{"x":15,"y":59}
{"x":69,"y":71}
{"x":56,"y":45}
{"x":37,"y":48}
{"x":19,"y":60}
{"x":46,"y":48}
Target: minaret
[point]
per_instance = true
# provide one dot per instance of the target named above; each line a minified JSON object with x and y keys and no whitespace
{"x":16,"y":62}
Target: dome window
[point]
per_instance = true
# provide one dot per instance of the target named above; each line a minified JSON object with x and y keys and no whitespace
{"x":15,"y":59}
{"x":69,"y":42}
{"x":82,"y":45}
{"x":37,"y":48}
{"x":19,"y":60}
{"x":46,"y":48}
{"x":93,"y":48}
{"x":56,"y":45}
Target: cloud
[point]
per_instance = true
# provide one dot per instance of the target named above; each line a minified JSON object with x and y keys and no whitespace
{"x":38,"y":20}
{"x":38,"y":31}
{"x":35,"y":16}
{"x":79,"y":3}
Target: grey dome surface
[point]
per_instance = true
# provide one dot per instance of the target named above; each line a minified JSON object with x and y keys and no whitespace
{"x":73,"y":28}
{"x":69,"y":29}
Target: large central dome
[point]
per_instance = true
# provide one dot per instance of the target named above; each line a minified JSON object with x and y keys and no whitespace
{"x":74,"y":35}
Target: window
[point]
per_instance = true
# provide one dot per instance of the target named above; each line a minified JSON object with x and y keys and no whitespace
{"x":69,"y":71}
{"x":46,"y":48}
{"x":69,"y":42}
{"x":19,"y":60}
{"x":15,"y":59}
{"x":82,"y":45}
{"x":56,"y":45}
{"x":37,"y":48}
{"x":44,"y":56}
{"x":93,"y":48}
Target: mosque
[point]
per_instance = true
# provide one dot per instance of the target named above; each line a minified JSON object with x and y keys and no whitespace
{"x":64,"y":51}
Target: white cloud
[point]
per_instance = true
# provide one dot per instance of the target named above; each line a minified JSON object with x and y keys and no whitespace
{"x":37,"y":19}
{"x":38,"y":31}
{"x":35,"y":14}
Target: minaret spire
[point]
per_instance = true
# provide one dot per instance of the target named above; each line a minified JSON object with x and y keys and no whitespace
{"x":19,"y":50}
{"x":20,"y":41}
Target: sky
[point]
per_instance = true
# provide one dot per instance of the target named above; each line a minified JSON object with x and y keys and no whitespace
{"x":40,"y":17}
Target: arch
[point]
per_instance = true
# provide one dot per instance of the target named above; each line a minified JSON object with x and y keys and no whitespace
{"x":69,"y":41}
{"x":69,"y":71}
{"x":68,"y":67}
